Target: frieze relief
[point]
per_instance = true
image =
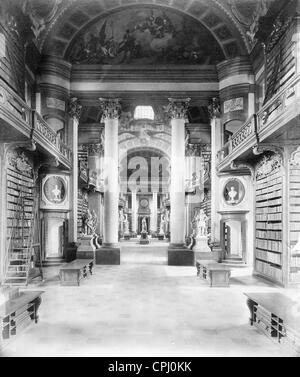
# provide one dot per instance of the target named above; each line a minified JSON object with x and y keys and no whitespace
{"x":268,"y":164}
{"x":19,"y":161}
{"x":295,"y":158}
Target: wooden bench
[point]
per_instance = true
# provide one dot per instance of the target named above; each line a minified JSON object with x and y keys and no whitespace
{"x":215,"y":273}
{"x":71,"y":273}
{"x":277,"y":316}
{"x":17,"y":313}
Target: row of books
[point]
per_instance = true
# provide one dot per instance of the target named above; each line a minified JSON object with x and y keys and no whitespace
{"x":11,"y":214}
{"x":20,"y":186}
{"x":269,"y":245}
{"x":269,"y":257}
{"x":22,"y":175}
{"x":294,"y":171}
{"x":266,"y":210}
{"x":17,"y":193}
{"x":295,"y":261}
{"x":17,"y":207}
{"x":269,"y":217}
{"x":268,"y":181}
{"x":295,"y":277}
{"x":269,"y":234}
{"x":269,"y":226}
{"x":268,"y":189}
{"x":269,"y":195}
{"x":269,"y":270}
{"x":271,"y":202}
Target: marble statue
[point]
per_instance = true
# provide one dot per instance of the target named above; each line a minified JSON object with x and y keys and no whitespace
{"x":201,"y":223}
{"x":126,"y":224}
{"x":162,"y":224}
{"x":89,"y":222}
{"x":200,"y":235}
{"x":144,"y":225}
{"x":232,"y":194}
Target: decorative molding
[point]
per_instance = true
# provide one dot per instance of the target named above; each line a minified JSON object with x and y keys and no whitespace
{"x":264,"y":147}
{"x":295,"y":157}
{"x":237,"y":165}
{"x":177,"y":108}
{"x":19,"y":161}
{"x":268,"y":164}
{"x":111,"y":108}
{"x":74,"y":108}
{"x":234,"y":104}
{"x":214,"y":108}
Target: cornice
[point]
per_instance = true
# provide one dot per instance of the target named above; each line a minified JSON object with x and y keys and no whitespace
{"x":235,"y":66}
{"x":125,"y":73}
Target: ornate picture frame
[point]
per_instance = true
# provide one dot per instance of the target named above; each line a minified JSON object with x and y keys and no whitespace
{"x":233,"y":191}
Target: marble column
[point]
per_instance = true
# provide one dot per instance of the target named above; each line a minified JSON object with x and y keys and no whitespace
{"x":74,"y":112}
{"x":153,"y":226}
{"x":109,"y":253}
{"x":178,"y":254}
{"x":133,"y":213}
{"x":216,"y":144}
{"x":95,"y":152}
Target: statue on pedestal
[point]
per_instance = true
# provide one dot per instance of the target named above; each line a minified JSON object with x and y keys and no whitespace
{"x":89,"y":222}
{"x":144,"y":225}
{"x":162,"y":224}
{"x":86,"y":248}
{"x":201,"y":223}
{"x":200,"y":236}
{"x":126,"y":225}
{"x":144,"y":233}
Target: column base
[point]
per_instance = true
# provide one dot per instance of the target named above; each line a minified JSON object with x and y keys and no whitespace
{"x":108,"y":255}
{"x":86,"y":249}
{"x":179,"y":255}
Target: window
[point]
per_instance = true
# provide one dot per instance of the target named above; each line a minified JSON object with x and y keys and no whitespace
{"x":144,"y":112}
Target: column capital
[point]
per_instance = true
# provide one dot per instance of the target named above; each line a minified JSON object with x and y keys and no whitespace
{"x":177,"y":107}
{"x":110,"y":107}
{"x":94,"y":149}
{"x":74,"y":108}
{"x":214,"y":108}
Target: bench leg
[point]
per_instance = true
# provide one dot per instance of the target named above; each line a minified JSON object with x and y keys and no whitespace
{"x":91,"y":265}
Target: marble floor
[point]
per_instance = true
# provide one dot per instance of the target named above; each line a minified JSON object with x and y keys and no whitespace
{"x":145,"y":308}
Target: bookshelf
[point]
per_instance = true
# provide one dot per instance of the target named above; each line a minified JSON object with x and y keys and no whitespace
{"x":269,"y":219}
{"x":82,"y":206}
{"x":19,"y":214}
{"x":294,"y":221}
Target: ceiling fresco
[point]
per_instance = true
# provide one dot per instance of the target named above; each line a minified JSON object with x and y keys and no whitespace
{"x":145,"y":36}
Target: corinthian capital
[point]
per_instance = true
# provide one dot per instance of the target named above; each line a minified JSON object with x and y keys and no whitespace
{"x":110,"y":107}
{"x":177,"y":108}
{"x":74,"y":108}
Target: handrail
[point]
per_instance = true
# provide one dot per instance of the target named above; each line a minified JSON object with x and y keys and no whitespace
{"x":41,"y":126}
{"x":259,"y":120}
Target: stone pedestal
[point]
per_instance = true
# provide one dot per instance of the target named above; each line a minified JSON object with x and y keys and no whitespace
{"x":180,"y":256}
{"x":86,"y":248}
{"x":144,"y":238}
{"x":201,"y":245}
{"x":212,"y":255}
{"x":108,"y":255}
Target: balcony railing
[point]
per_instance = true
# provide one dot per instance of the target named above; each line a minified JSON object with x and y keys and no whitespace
{"x":277,"y":112}
{"x":239,"y":138}
{"x":47,"y":136}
